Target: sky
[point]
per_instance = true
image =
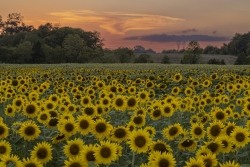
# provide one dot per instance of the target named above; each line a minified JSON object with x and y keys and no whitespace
{"x":155,"y":24}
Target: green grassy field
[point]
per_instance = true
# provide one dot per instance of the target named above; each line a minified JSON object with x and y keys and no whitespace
{"x":175,"y":58}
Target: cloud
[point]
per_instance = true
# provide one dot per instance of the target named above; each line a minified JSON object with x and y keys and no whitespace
{"x":189,"y":30}
{"x":174,"y":38}
{"x":117,"y":22}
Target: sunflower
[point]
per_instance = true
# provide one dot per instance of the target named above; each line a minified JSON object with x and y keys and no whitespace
{"x":161,"y":146}
{"x":84,"y":124}
{"x":8,"y":159}
{"x":53,"y":122}
{"x":58,"y":138}
{"x":86,"y":101}
{"x":131,"y":103}
{"x":5,"y":148}
{"x":215,"y":146}
{"x":18,"y":103}
{"x":71,"y":108}
{"x":240,"y":136}
{"x":226,"y":142}
{"x":132,"y":90}
{"x":87,"y":153}
{"x":197,"y":131}
{"x":187,"y":144}
{"x":105,"y":102}
{"x":229,"y":128}
{"x":177,"y":77}
{"x":101,"y":128}
{"x":67,"y":127}
{"x":105,"y":153}
{"x":195,"y":162}
{"x":75,"y":162}
{"x":90,"y":110}
{"x":49,"y":105}
{"x":168,"y":110}
{"x":188,"y":91}
{"x":66,"y":115}
{"x":230,"y":164}
{"x":119,"y":103}
{"x":120,"y":134}
{"x":138,"y":120}
{"x":29,"y":130}
{"x":4,"y":130}
{"x":10,"y":110}
{"x":151,"y":130}
{"x":139,"y":140}
{"x":209,"y":160}
{"x":219,"y":115}
{"x":43,"y":152}
{"x":214,"y":130}
{"x":172,"y":131}
{"x":30,"y":110}
{"x":29,"y":162}
{"x":162,"y":159}
{"x":175,"y":90}
{"x":143,"y":96}
{"x":43,"y":117}
{"x":155,"y":114}
{"x":73,"y":148}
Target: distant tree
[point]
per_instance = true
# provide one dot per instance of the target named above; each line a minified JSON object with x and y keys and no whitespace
{"x":224,"y":49}
{"x":45,"y":30}
{"x":211,"y":50}
{"x":192,"y":53}
{"x":241,"y":59}
{"x":139,"y":49}
{"x":124,"y":55}
{"x":38,"y":56}
{"x":216,"y":61}
{"x":144,"y":58}
{"x":248,"y":59}
{"x":150,"y":51}
{"x":53,"y":55}
{"x":165,"y":60}
{"x":23,"y":53}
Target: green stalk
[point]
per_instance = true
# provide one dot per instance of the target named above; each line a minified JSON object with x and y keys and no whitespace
{"x":133,"y":160}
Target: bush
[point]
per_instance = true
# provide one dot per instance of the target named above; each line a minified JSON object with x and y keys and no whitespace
{"x":165,"y":60}
{"x":144,"y":58}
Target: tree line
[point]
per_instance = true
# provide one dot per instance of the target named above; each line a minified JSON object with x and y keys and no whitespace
{"x":51,"y":43}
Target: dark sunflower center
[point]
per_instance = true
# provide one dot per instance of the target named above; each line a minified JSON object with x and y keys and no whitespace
{"x":30,"y":109}
{"x":42,"y":153}
{"x":198,"y":131}
{"x":156,"y":113}
{"x":248,"y":107}
{"x":84,"y":124}
{"x":167,"y":110}
{"x":69,"y":127}
{"x":53,"y":122}
{"x":213,"y":147}
{"x":71,"y":108}
{"x":164,"y":163}
{"x":119,"y":102}
{"x":59,"y":137}
{"x":229,"y":130}
{"x":225,"y":143}
{"x":105,"y":101}
{"x":74,"y":149}
{"x":2,"y":149}
{"x":43,"y":117}
{"x":2,"y":130}
{"x":120,"y":133}
{"x":49,"y":106}
{"x":14,"y":82}
{"x":54,"y":98}
{"x":30,"y":165}
{"x":53,"y":114}
{"x":140,"y":141}
{"x":160,"y":147}
{"x":173,"y":131}
{"x":138,"y":120}
{"x":215,"y":130}
{"x":142,"y":96}
{"x":75,"y":164}
{"x":90,"y":156}
{"x":195,"y":166}
{"x":18,"y":103}
{"x":220,"y":115}
{"x":85,"y":101}
{"x":89,"y":111}
{"x":208,"y":163}
{"x":9,"y":110}
{"x":29,"y":131}
{"x":187,"y":143}
{"x":131,"y":102}
{"x":240,"y":137}
{"x":100,"y":127}
{"x":105,"y":152}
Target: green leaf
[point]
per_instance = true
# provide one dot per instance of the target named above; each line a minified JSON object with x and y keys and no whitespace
{"x":91,"y":164}
{"x":245,"y":165}
{"x":10,"y":164}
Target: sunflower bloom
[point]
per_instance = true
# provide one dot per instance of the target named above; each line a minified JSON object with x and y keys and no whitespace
{"x":29,"y":130}
{"x":43,"y":152}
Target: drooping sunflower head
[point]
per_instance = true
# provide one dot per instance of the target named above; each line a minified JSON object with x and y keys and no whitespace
{"x":161,"y":146}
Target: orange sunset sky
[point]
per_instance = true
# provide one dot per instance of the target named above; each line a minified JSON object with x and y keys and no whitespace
{"x":140,"y":22}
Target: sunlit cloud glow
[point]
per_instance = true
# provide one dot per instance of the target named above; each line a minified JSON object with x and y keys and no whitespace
{"x":117,"y":22}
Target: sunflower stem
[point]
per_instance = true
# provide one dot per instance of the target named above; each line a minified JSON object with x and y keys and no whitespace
{"x":133,"y":160}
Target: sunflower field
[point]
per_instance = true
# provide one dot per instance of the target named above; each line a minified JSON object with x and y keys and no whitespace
{"x":75,"y":115}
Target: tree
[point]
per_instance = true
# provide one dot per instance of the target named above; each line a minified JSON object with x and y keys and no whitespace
{"x":216,"y":61}
{"x":165,"y":60}
{"x":53,"y":55}
{"x":38,"y":56}
{"x":192,"y":53}
{"x":241,"y":59}
{"x":124,"y":55}
{"x":144,"y":58}
{"x":211,"y":50}
{"x":139,"y":49}
{"x":23,"y":53}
